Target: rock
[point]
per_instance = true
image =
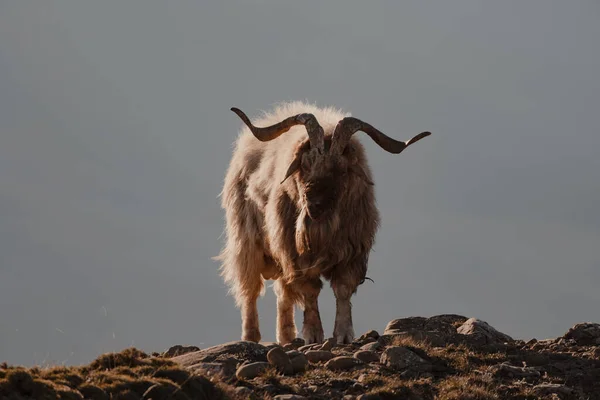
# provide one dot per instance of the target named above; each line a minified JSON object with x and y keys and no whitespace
{"x":178,"y":350}
{"x":289,"y":397}
{"x":398,"y":357}
{"x":584,"y":334}
{"x":299,"y":363}
{"x":251,"y":370}
{"x":342,"y":363}
{"x":278,"y":358}
{"x":435,"y":339}
{"x":239,"y":351}
{"x":510,"y":371}
{"x":293,"y":353}
{"x":298,"y":342}
{"x":552,"y":388}
{"x":371,"y":346}
{"x":366,"y":356}
{"x":315,"y":356}
{"x":307,"y":347}
{"x":369,"y":334}
{"x":444,"y":323}
{"x":224,"y":368}
{"x":329,"y":344}
{"x":405,"y":324}
{"x":480,"y":332}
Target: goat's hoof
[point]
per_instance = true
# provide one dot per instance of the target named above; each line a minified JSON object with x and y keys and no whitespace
{"x":344,"y":337}
{"x":313,"y":334}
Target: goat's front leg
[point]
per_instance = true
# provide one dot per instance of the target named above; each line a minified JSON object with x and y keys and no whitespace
{"x":312,"y":329}
{"x":286,"y":326}
{"x":343,"y":331}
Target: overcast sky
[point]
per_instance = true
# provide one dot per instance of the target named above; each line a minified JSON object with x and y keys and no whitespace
{"x":115,"y":133}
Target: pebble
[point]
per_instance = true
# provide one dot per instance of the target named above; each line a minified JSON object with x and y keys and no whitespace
{"x":370,"y":334}
{"x":329,"y":344}
{"x":251,"y":370}
{"x":307,"y":347}
{"x":299,"y":363}
{"x":366,"y":356}
{"x":289,"y":397}
{"x":315,"y":356}
{"x":371,"y":346}
{"x":399,"y":357}
{"x":342,"y":362}
{"x":278,"y":358}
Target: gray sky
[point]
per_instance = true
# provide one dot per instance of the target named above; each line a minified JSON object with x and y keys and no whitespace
{"x":115,"y":133}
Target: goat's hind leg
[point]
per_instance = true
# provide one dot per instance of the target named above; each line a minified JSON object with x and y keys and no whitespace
{"x":242,"y":272}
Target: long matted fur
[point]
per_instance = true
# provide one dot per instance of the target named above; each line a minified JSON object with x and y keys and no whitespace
{"x":273,"y":189}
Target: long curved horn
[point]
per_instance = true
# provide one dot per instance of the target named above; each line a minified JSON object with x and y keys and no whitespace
{"x":314,"y":130}
{"x":349,"y":125}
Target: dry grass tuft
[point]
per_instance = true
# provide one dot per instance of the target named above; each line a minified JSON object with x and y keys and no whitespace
{"x":465,"y":388}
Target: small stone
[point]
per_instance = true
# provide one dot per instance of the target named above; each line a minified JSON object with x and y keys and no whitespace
{"x":298,"y":342}
{"x":251,"y":370}
{"x":399,"y":357}
{"x":278,"y":358}
{"x":328,"y":345}
{"x":315,"y":356}
{"x":482,"y":332}
{"x":299,"y":363}
{"x":510,"y":371}
{"x":552,"y":388}
{"x":289,"y":397}
{"x":366,"y":356}
{"x":342,"y":363}
{"x":307,"y":347}
{"x":371,"y":346}
{"x":370,"y":334}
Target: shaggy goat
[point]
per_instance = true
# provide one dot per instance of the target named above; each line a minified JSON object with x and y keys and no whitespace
{"x":300,"y":207}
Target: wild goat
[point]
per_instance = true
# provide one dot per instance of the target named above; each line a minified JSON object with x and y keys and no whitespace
{"x":300,"y":207}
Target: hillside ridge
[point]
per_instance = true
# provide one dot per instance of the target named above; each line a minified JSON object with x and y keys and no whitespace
{"x":441,"y":357}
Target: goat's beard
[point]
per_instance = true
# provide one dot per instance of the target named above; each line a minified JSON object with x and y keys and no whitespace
{"x":313,"y":237}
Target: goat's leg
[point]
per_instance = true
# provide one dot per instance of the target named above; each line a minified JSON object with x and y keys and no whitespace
{"x":286,"y":326}
{"x":250,"y":326}
{"x":343,"y":331}
{"x":312,"y":329}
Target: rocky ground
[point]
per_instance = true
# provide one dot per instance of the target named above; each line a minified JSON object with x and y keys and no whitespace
{"x":441,"y":357}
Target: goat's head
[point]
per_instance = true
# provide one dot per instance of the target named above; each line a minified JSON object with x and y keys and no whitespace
{"x":326,"y":164}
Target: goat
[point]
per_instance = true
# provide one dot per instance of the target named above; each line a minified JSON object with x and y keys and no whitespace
{"x":300,"y":207}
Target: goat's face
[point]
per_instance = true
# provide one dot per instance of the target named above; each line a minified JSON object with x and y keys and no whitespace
{"x":322,"y":178}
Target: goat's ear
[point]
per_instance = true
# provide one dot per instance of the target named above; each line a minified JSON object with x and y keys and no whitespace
{"x":361,"y":173}
{"x":294,"y":166}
